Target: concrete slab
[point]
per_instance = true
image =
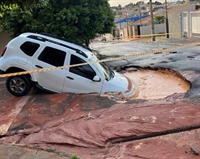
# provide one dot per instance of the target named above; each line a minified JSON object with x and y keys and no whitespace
{"x":45,"y":155}
{"x":19,"y":152}
{"x":9,"y":108}
{"x":14,"y":152}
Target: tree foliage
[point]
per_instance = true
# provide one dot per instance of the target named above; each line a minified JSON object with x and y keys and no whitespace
{"x":119,"y":7}
{"x":140,"y":3}
{"x":157,"y":3}
{"x":21,"y":3}
{"x":18,"y":1}
{"x":159,"y":19}
{"x":77,"y":20}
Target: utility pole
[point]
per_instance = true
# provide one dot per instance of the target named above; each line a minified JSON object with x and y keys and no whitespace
{"x":140,"y":15}
{"x":127,"y":24}
{"x":166,"y":21}
{"x":152,"y":21}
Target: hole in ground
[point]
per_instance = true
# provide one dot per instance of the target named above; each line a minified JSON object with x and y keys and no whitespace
{"x":156,"y":84}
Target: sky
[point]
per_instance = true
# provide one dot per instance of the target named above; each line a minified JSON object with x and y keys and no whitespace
{"x":125,"y":2}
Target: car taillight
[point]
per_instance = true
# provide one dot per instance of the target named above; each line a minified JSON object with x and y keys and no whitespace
{"x":4,"y":50}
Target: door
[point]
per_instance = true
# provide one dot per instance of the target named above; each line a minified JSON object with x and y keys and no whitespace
{"x":80,"y":79}
{"x":195,"y":23}
{"x":51,"y":57}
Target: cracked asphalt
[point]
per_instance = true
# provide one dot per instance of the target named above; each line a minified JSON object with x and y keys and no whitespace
{"x":186,"y":61}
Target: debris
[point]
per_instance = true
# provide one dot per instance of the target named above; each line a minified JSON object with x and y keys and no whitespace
{"x":173,"y":52}
{"x":153,"y":119}
{"x":138,"y":146}
{"x":194,"y":150}
{"x":132,"y":69}
{"x":158,"y":52}
{"x":118,"y":68}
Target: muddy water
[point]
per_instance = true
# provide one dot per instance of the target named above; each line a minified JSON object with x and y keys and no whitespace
{"x":158,"y":84}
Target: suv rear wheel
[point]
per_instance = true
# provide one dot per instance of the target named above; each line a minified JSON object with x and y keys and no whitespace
{"x":18,"y":85}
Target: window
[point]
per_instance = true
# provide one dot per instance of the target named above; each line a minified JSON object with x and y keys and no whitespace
{"x":52,"y":56}
{"x":29,"y":48}
{"x":84,"y":71}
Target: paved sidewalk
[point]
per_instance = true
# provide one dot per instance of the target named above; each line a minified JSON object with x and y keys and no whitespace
{"x":18,"y":152}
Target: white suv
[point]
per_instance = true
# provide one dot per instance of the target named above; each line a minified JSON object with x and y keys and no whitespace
{"x":31,"y":51}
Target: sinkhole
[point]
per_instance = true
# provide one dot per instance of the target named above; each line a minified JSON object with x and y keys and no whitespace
{"x":160,"y":83}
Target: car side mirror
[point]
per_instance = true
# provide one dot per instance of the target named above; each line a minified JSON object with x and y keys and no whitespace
{"x":96,"y":79}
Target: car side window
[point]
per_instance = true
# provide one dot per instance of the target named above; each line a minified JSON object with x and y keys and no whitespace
{"x":29,"y":48}
{"x":84,"y":71}
{"x":52,"y":56}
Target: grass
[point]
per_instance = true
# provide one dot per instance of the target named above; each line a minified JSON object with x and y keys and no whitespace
{"x":60,"y":153}
{"x":75,"y":157}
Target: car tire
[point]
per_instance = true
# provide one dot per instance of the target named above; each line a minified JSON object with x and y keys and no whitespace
{"x":19,"y":85}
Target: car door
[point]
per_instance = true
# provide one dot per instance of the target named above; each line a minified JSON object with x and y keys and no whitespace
{"x":80,"y":79}
{"x":51,"y":56}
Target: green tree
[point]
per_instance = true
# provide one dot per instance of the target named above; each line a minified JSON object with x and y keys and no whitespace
{"x":130,"y":5}
{"x":157,"y":3}
{"x":21,"y":3}
{"x":119,"y":7}
{"x":140,"y":3}
{"x":159,"y":19}
{"x":78,"y":20}
{"x":18,"y":1}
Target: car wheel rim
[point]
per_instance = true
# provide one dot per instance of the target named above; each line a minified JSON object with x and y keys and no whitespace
{"x":17,"y":85}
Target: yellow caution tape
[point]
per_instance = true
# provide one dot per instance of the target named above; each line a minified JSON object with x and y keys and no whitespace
{"x":105,"y":60}
{"x":149,"y":35}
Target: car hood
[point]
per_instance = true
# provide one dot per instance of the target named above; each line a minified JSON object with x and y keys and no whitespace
{"x":120,"y":85}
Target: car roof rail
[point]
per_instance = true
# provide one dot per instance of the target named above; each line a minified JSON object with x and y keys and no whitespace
{"x":37,"y":37}
{"x":64,"y":39}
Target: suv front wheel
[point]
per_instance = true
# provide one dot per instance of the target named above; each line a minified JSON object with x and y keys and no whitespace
{"x":18,"y":85}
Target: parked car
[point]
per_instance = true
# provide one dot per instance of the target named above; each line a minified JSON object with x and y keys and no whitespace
{"x":30,"y":51}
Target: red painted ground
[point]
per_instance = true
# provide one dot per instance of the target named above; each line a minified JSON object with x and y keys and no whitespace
{"x":88,"y":125}
{"x":96,"y":127}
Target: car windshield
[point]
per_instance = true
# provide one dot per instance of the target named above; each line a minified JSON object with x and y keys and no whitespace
{"x":103,"y":69}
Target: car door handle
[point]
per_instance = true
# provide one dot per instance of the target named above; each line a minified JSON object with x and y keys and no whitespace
{"x":70,"y":78}
{"x":38,"y":66}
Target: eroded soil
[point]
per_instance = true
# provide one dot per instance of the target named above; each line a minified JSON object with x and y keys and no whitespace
{"x":158,"y":84}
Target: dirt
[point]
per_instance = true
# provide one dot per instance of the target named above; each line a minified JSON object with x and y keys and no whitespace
{"x":158,"y":84}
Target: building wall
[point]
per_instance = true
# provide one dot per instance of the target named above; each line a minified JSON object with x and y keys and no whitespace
{"x":125,"y":34}
{"x":174,"y":18}
{"x":121,"y":25}
{"x":109,"y":36}
{"x":135,"y":32}
{"x":4,"y":39}
{"x":130,"y":32}
{"x":158,"y":28}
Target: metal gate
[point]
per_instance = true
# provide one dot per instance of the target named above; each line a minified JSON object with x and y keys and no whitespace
{"x":195,"y":23}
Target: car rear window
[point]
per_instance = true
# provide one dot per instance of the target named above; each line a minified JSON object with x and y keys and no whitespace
{"x":53,"y":56}
{"x":29,"y":48}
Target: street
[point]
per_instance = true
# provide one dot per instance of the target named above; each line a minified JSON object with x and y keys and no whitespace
{"x":106,"y":127}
